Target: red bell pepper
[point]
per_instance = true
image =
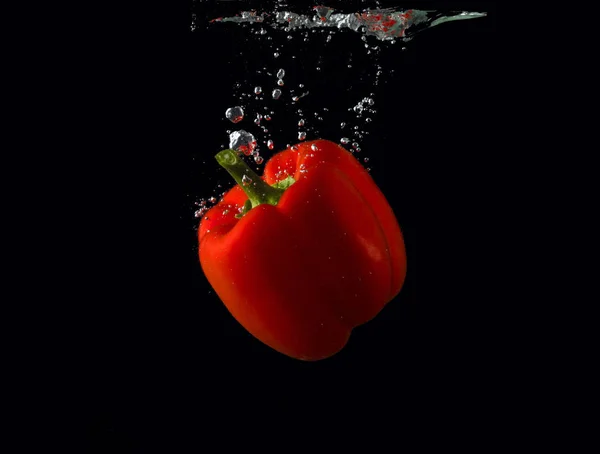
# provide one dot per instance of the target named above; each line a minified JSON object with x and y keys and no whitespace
{"x":306,"y":253}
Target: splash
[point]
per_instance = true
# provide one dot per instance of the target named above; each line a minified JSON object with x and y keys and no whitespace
{"x":383,"y":24}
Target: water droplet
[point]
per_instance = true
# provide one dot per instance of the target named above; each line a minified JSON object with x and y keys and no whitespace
{"x":296,"y":98}
{"x":281,"y":73}
{"x":303,"y":168}
{"x":275,"y":55}
{"x":268,"y":117}
{"x":246,"y":180}
{"x":270,"y":144}
{"x":301,"y":135}
{"x":258,"y":159}
{"x":343,"y":125}
{"x":263,"y":31}
{"x":345,"y":140}
{"x":212,"y":199}
{"x":225,"y":212}
{"x":301,"y":122}
{"x":368,"y":120}
{"x":328,"y":38}
{"x":257,"y":90}
{"x":235,"y":114}
{"x":280,"y":82}
{"x":276,"y":93}
{"x":366,"y":159}
{"x":314,"y":147}
{"x":289,"y":37}
{"x":301,"y":86}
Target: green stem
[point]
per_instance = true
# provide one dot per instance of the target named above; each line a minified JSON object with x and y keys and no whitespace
{"x":256,"y":189}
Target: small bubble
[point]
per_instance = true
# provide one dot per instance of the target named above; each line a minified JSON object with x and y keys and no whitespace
{"x":270,"y":144}
{"x":366,"y":160}
{"x":280,"y":82}
{"x":268,"y":117}
{"x":246,"y":180}
{"x":301,"y":122}
{"x":343,"y":125}
{"x":289,"y":37}
{"x":314,"y":147}
{"x":258,"y":159}
{"x":281,"y":73}
{"x":328,"y":38}
{"x":301,"y":135}
{"x":225,"y":212}
{"x":275,"y":55}
{"x":276,"y":93}
{"x":368,"y":120}
{"x":318,"y":68}
{"x":296,"y":98}
{"x":257,"y":90}
{"x":263,"y":31}
{"x":345,"y":140}
{"x":212,"y":199}
{"x":301,"y":86}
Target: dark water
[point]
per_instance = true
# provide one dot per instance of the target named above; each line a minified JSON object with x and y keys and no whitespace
{"x":169,"y":368}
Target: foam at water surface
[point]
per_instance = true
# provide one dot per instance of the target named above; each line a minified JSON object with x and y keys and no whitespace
{"x":383,"y":24}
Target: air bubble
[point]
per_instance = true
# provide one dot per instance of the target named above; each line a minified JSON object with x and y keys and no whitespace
{"x":276,"y":93}
{"x":280,"y":82}
{"x":301,"y":122}
{"x":275,"y":55}
{"x":301,"y":135}
{"x":235,"y":114}
{"x":314,"y":147}
{"x":270,"y":144}
{"x":246,"y":180}
{"x":258,"y":159}
{"x":281,"y":73}
{"x":345,"y":140}
{"x":242,"y":141}
{"x":257,"y":90}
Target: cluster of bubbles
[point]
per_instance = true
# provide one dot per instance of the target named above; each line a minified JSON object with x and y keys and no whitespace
{"x":245,"y":111}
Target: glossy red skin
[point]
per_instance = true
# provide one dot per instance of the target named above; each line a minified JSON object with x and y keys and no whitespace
{"x":301,"y":275}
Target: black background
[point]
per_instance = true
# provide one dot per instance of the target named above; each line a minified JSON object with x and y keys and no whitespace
{"x":161,"y":365}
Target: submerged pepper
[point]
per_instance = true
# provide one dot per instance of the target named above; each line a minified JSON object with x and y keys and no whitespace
{"x":305,"y":253}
